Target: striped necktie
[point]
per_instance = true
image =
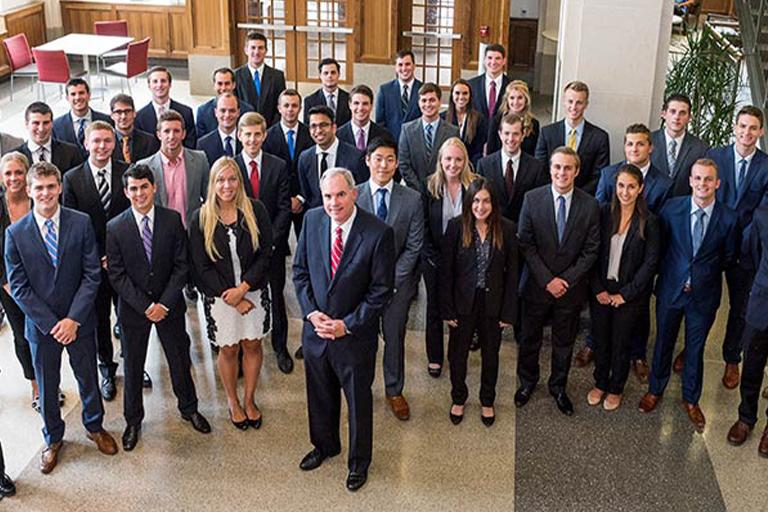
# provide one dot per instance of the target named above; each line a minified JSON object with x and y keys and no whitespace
{"x":52,"y":242}
{"x":336,"y":252}
{"x":104,"y":193}
{"x":572,"y":139}
{"x":146,"y":237}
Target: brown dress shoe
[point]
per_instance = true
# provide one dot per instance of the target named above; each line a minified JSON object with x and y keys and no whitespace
{"x":399,"y":407}
{"x":104,"y":442}
{"x":762,"y":448}
{"x":50,"y":457}
{"x":695,"y":415}
{"x":679,"y":363}
{"x":648,"y":402}
{"x":640,"y":368}
{"x":739,"y":433}
{"x":731,"y":376}
{"x":584,"y":357}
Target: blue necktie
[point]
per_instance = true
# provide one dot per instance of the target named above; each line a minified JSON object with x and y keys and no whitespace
{"x":81,"y":132}
{"x":291,"y":144}
{"x":742,"y":174}
{"x":428,"y":141}
{"x":698,"y":230}
{"x":560,"y":218}
{"x":146,"y":238}
{"x":52,"y":242}
{"x":228,"y":147}
{"x":257,"y":83}
{"x":381,"y":209}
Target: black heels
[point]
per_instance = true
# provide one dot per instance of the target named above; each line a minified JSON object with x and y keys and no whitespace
{"x":488,"y":420}
{"x":434,"y":372}
{"x":240,"y":425}
{"x":256,"y":424}
{"x":456,"y":418}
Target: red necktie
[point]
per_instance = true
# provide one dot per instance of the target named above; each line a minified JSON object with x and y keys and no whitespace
{"x":336,"y":252}
{"x":492,"y":100}
{"x":255,"y":179}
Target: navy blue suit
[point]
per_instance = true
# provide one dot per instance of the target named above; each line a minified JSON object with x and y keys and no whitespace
{"x":343,"y":114}
{"x":63,"y":129}
{"x":47,"y":295}
{"x":388,"y":113}
{"x":206,"y":121}
{"x":347,"y":157}
{"x":357,"y":294}
{"x":146,"y":121}
{"x":656,"y":186}
{"x":213,"y":147}
{"x":699,"y":304}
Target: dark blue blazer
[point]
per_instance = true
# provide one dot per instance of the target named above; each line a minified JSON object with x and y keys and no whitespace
{"x":213,"y":148}
{"x":64,"y":130}
{"x":677,"y":261}
{"x":275,"y":144}
{"x":758,"y":250}
{"x":347,"y":157}
{"x":343,"y":114}
{"x":657,"y":186}
{"x":206,"y":116}
{"x":146,"y":120}
{"x":388,"y":112}
{"x":272,"y":84}
{"x":47,"y":295}
{"x":691,"y":149}
{"x":479,"y":101}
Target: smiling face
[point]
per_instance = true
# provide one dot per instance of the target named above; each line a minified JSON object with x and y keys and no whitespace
{"x":517,"y":103}
{"x":289,"y":107}
{"x":159,"y":86}
{"x":171,"y":135}
{"x":322,"y":130}
{"x":704,"y":183}
{"x":361,"y":106}
{"x":100,"y":144}
{"x":255,"y":50}
{"x":338,"y":198}
{"x":511,"y":136}
{"x":223,"y":81}
{"x":78,"y":98}
{"x":575,"y":104}
{"x":14,"y":176}
{"x":460,"y":96}
{"x":494,"y":63}
{"x":227,"y":112}
{"x":482,"y":205}
{"x":39,"y":127}
{"x":252,"y":137}
{"x":452,"y":162}
{"x":637,"y":149}
{"x":627,"y":189}
{"x":123,"y":115}
{"x":44,"y":191}
{"x":747,"y":132}
{"x":429,"y":104}
{"x":141,"y":194}
{"x":404,"y":68}
{"x":563,"y":171}
{"x":383,"y":164}
{"x":227,"y":184}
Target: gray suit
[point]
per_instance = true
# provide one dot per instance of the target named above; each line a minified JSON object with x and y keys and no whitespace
{"x":197,"y":168}
{"x":414,"y":165}
{"x":8,"y":143}
{"x":406,"y":217}
{"x":691,"y":149}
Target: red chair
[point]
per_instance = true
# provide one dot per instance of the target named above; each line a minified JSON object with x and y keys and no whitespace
{"x":52,"y":68}
{"x":136,"y":62}
{"x":112,"y":28}
{"x":20,"y":58}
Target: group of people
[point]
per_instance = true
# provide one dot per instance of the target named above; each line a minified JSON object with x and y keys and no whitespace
{"x":511,"y":225}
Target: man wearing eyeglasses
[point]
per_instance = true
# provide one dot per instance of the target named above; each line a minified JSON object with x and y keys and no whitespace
{"x":132,"y":144}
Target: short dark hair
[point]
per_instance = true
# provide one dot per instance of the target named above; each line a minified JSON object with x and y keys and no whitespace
{"x":138,"y":172}
{"x":74,"y":82}
{"x":322,"y":110}
{"x":751,"y":110}
{"x":160,"y":69}
{"x":495,"y":48}
{"x":171,"y":115}
{"x":361,"y":89}
{"x":407,"y":52}
{"x":682,"y":98}
{"x":383,"y":141}
{"x":327,"y":62}
{"x":430,"y":87}
{"x":223,"y":70}
{"x":255,"y":36}
{"x":638,"y":128}
{"x":37,"y":107}
{"x":121,"y":98}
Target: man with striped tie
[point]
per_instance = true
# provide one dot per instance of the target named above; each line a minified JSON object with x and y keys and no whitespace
{"x":93,"y":188}
{"x":223,"y":141}
{"x":53,"y":269}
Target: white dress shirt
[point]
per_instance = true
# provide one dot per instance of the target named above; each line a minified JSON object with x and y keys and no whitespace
{"x":515,"y":163}
{"x":40,"y":220}
{"x":375,"y":193}
{"x":247,"y":161}
{"x":330,"y":159}
{"x":34,"y":149}
{"x":568,"y":199}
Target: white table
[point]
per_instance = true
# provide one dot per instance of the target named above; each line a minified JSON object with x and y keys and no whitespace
{"x":87,"y":45}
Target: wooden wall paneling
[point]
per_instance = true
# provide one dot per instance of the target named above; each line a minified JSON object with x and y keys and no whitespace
{"x":180,"y":40}
{"x":79,"y":17}
{"x":29,"y":20}
{"x":5,"y":68}
{"x":717,"y":6}
{"x":209,"y":21}
{"x":143,"y":22}
{"x":376,"y":31}
{"x":521,"y":52}
{"x":495,"y":14}
{"x":404,"y":24}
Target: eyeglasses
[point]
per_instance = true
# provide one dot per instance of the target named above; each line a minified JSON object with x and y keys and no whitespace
{"x":123,"y":112}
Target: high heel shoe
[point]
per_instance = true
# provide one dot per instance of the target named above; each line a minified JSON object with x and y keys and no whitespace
{"x":240,"y":425}
{"x":456,"y":418}
{"x":434,"y":372}
{"x":256,"y":424}
{"x":488,"y":420}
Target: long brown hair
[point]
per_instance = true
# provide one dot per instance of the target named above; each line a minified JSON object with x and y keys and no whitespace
{"x":473,"y":116}
{"x":641,"y":206}
{"x":468,"y":218}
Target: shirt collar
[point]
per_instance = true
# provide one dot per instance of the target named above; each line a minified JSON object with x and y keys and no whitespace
{"x":366,"y":127}
{"x":505,"y":157}
{"x":95,"y":169}
{"x":409,"y":84}
{"x":260,"y":69}
{"x":331,"y":150}
{"x":488,"y":80}
{"x":88,"y":117}
{"x":669,"y":138}
{"x":40,"y":220}
{"x":286,"y":128}
{"x":707,"y":210}
{"x":579,"y":127}
{"x":140,"y":216}
{"x":375,"y":188}
{"x":166,"y":105}
{"x":433,"y":123}
{"x":644,"y":169}
{"x":34,"y":147}
{"x":247,"y":160}
{"x":223,"y":136}
{"x":738,"y":158}
{"x":556,"y":194}
{"x":347,"y":225}
{"x":166,"y":161}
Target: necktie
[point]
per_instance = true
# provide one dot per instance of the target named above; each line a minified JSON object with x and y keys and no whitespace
{"x":257,"y":83}
{"x":81,"y":132}
{"x":672,"y":157}
{"x":404,"y":100}
{"x":336,"y":252}
{"x":572,"y":139}
{"x":509,"y":179}
{"x":146,"y":237}
{"x":698,"y":230}
{"x":381,"y":209}
{"x":742,"y":174}
{"x":41,"y":153}
{"x":127,"y":149}
{"x":361,"y":140}
{"x":104,"y":193}
{"x":52,"y":242}
{"x":228,"y":146}
{"x":560,"y":218}
{"x":323,"y":164}
{"x":160,"y":110}
{"x":428,"y":140}
{"x":291,"y":144}
{"x":255,"y":179}
{"x":332,"y":103}
{"x":492,"y":100}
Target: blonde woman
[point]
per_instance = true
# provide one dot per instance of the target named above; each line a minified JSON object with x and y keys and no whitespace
{"x":516,"y":100}
{"x":230,"y":244}
{"x":442,"y":202}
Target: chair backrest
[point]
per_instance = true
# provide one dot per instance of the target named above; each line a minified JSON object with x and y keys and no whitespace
{"x":52,"y":66}
{"x":137,"y":60}
{"x":18,"y":51}
{"x":111,"y":28}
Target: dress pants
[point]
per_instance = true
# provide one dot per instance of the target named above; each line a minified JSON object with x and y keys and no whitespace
{"x":279,"y":315}
{"x":489,"y":336}
{"x":565,"y":325}
{"x":20,"y":344}
{"x":755,"y":358}
{"x":697,"y":326}
{"x":297,"y":219}
{"x":106,"y":351}
{"x":340,"y":367}
{"x":638,"y":346}
{"x":434,"y":327}
{"x":739,"y":283}
{"x":393,"y":324}
{"x":175,"y":343}
{"x":46,"y":356}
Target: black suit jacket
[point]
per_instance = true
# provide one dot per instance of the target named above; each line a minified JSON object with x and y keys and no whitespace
{"x":142,"y":145}
{"x":531,"y":174}
{"x":272,"y":84}
{"x":433,"y":228}
{"x":80,"y":192}
{"x":275,"y":195}
{"x":275,"y":144}
{"x":138,"y":282}
{"x":343,"y":114}
{"x":529,"y":142}
{"x":546,"y":258}
{"x":691,"y":149}
{"x":459,"y":275}
{"x":593,"y":150}
{"x":146,"y":121}
{"x":63,"y":129}
{"x":213,"y":148}
{"x":64,"y":156}
{"x":347,"y":157}
{"x":480,"y":101}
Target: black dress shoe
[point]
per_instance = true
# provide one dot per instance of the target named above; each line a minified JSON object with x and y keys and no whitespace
{"x":146,"y":381}
{"x":455,"y":418}
{"x":108,"y":388}
{"x":117,"y":331}
{"x":312,"y":460}
{"x":131,"y":437}
{"x":198,"y":421}
{"x":299,"y":354}
{"x":488,"y":420}
{"x":284,"y":362}
{"x":257,"y":422}
{"x":240,"y":425}
{"x":7,"y":487}
{"x":522,"y":395}
{"x":356,"y":480}
{"x":564,"y":404}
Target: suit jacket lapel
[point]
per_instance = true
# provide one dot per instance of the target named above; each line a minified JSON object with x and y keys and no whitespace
{"x":157,"y":163}
{"x":33,"y":232}
{"x":711,"y":226}
{"x":350,"y":247}
{"x":685,"y":147}
{"x":364,"y":198}
{"x":325,"y":248}
{"x":571,"y":221}
{"x":753,"y":169}
{"x":549,"y":211}
{"x":191,"y":175}
{"x":64,"y":234}
{"x":394,"y":204}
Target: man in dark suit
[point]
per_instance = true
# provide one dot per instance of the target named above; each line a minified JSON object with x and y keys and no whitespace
{"x":223,"y":140}
{"x":147,"y":255}
{"x":397,"y":101}
{"x":131,"y":144}
{"x":700,"y":236}
{"x":71,"y":126}
{"x":421,"y":139}
{"x":159,"y":80}
{"x":223,"y":81}
{"x":41,"y":146}
{"x":512,"y":172}
{"x":559,"y":235}
{"x":360,"y":130}
{"x":259,"y":84}
{"x":401,"y":208}
{"x":327,"y":153}
{"x":53,"y":271}
{"x":488,"y":89}
{"x":330,"y":94}
{"x":756,"y":348}
{"x":267,"y":178}
{"x":94,"y":189}
{"x":676,"y":148}
{"x":343,"y":273}
{"x":575,"y":132}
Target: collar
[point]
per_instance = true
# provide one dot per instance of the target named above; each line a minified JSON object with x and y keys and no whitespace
{"x":166,"y":105}
{"x":260,"y":69}
{"x":708,"y":210}
{"x":34,"y":146}
{"x":286,"y":128}
{"x":409,"y":84}
{"x":224,"y":135}
{"x":88,"y":117}
{"x":505,"y":157}
{"x":738,"y":158}
{"x":488,"y":80}
{"x":166,"y":161}
{"x":355,"y":128}
{"x":555,"y":194}
{"x":331,"y":149}
{"x":579,"y":127}
{"x":346,"y":226}
{"x":668,"y":138}
{"x":140,"y":216}
{"x":95,"y":169}
{"x":644,"y":169}
{"x":40,"y":220}
{"x":247,"y":160}
{"x":375,"y":188}
{"x":433,"y":123}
